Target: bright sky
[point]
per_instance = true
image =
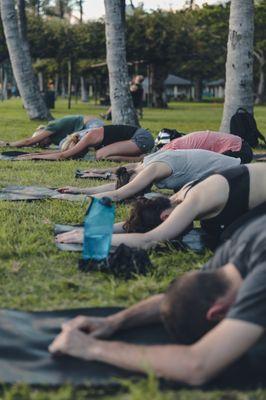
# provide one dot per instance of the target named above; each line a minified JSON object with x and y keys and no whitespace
{"x":95,"y":8}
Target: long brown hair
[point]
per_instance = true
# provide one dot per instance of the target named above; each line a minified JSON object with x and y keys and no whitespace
{"x":145,"y":214}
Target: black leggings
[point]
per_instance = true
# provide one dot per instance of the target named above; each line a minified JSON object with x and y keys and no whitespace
{"x":245,"y":153}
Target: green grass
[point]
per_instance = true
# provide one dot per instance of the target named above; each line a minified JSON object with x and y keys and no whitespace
{"x":36,"y":276}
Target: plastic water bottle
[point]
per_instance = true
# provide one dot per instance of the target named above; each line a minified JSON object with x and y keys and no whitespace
{"x":98,"y":229}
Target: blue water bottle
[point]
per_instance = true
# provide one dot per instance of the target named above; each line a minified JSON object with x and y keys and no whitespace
{"x":98,"y":229}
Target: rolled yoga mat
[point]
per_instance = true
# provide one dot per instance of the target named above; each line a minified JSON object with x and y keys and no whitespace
{"x":24,"y":356}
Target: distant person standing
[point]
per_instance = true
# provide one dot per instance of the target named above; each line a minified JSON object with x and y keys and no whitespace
{"x":136,"y":91}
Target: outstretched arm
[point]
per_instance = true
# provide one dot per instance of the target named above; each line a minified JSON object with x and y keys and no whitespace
{"x":76,"y":235}
{"x":31,"y":140}
{"x":143,"y":313}
{"x":81,"y":146}
{"x":89,"y":191}
{"x":147,"y":176}
{"x":195,"y":364}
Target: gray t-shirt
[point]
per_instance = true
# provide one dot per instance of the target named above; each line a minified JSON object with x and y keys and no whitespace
{"x":189,"y":165}
{"x":247,"y":251}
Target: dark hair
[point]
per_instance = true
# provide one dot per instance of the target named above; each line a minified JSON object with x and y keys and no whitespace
{"x":145,"y":214}
{"x":123,"y":176}
{"x":187,"y":302}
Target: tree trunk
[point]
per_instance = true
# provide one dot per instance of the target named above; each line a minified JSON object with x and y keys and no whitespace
{"x":2,"y":82}
{"x":239,"y":63}
{"x":40,"y":81}
{"x":19,"y":53}
{"x":69,"y":83}
{"x":56,"y":84}
{"x":84,"y":91}
{"x":81,"y":12}
{"x":5,"y":83}
{"x":158,"y":76}
{"x":63,"y":87}
{"x":123,"y":111}
{"x":260,"y":96}
{"x":198,"y":89}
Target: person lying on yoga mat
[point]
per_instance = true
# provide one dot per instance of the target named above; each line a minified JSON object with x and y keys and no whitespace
{"x":170,"y":169}
{"x":118,"y":142}
{"x":223,"y":143}
{"x":216,"y":315}
{"x":56,"y":131}
{"x":217,"y":201}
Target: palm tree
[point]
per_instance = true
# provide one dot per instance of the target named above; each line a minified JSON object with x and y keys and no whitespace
{"x":123,"y":111}
{"x":19,"y":54}
{"x":239,"y":63}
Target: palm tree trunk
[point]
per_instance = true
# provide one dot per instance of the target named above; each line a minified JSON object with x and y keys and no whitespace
{"x":260,"y":96}
{"x":123,"y":111}
{"x":84,"y":91}
{"x":239,"y":64}
{"x":19,"y":53}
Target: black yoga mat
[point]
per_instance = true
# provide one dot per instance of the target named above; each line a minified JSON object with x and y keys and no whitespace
{"x":11,"y":154}
{"x":24,"y":339}
{"x":195,"y":240}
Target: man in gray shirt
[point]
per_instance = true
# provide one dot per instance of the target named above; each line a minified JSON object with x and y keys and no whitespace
{"x":217,"y":315}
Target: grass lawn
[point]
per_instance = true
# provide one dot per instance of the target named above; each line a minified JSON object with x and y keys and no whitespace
{"x":36,"y":276}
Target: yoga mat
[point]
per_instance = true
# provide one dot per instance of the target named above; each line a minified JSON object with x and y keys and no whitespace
{"x":16,"y":193}
{"x":195,"y":240}
{"x":11,"y":155}
{"x":24,"y":340}
{"x":92,"y":175}
{"x":259,"y":156}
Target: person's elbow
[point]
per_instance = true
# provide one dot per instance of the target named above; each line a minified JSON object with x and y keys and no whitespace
{"x":197,"y":374}
{"x":147,"y":241}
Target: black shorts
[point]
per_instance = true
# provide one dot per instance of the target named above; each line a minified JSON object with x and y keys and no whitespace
{"x":245,"y":153}
{"x":119,"y":133}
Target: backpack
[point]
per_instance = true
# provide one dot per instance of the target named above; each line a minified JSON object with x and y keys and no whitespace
{"x":165,"y":136}
{"x":243,"y":124}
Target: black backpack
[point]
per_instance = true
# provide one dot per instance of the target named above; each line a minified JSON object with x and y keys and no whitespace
{"x":243,"y":124}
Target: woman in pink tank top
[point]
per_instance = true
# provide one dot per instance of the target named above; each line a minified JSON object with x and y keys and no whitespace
{"x":223,"y":143}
